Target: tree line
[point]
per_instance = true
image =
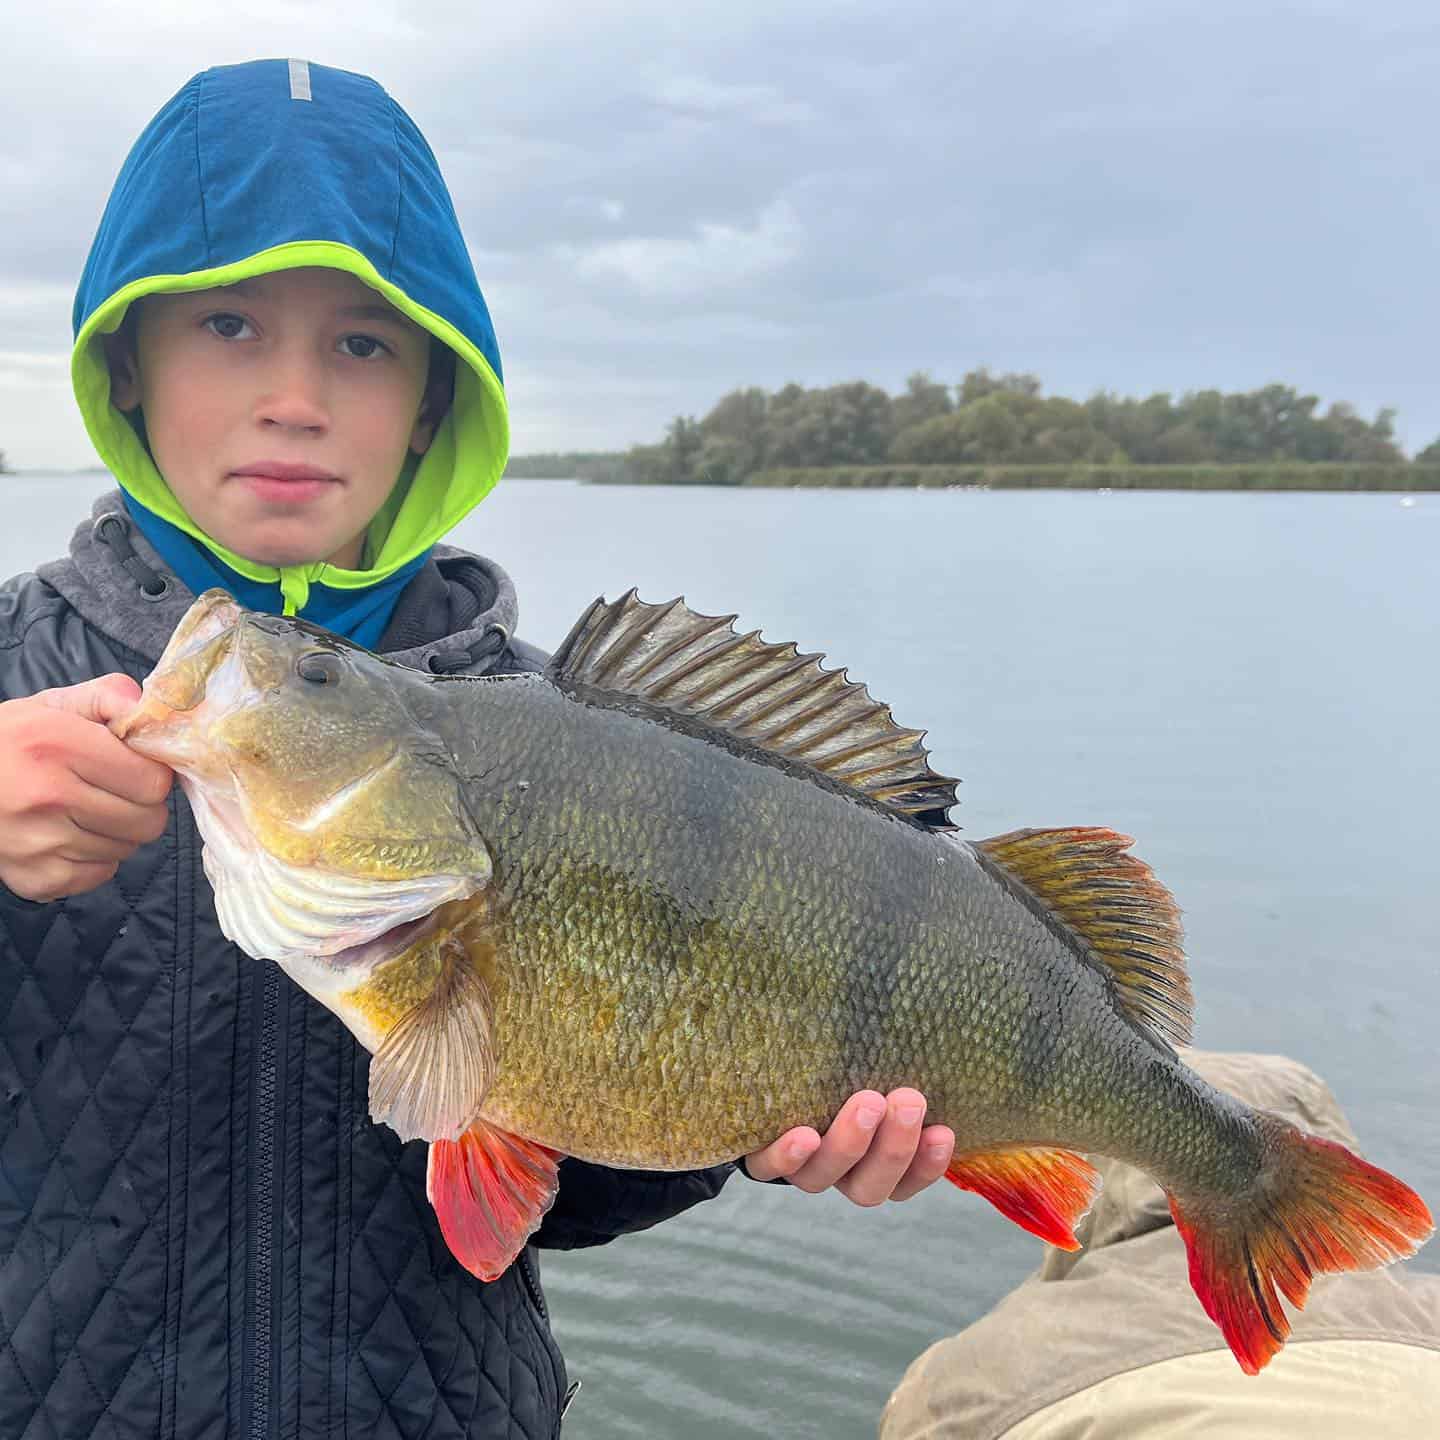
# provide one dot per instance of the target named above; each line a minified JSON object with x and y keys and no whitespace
{"x":1006,"y":419}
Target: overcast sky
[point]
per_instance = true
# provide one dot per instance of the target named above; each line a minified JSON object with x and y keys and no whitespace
{"x":666,"y":200}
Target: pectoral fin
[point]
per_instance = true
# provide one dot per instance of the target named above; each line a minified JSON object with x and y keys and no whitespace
{"x":490,"y":1189}
{"x":432,"y":1071}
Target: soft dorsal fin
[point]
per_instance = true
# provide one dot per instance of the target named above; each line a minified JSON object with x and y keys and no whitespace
{"x":770,"y":696}
{"x":1125,"y":918}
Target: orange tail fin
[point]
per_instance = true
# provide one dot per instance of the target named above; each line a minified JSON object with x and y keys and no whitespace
{"x":1316,"y":1208}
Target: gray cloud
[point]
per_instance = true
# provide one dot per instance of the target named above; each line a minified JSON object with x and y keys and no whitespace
{"x":664,"y":201}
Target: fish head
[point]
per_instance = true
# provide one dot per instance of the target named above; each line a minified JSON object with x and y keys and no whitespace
{"x":331,"y":810}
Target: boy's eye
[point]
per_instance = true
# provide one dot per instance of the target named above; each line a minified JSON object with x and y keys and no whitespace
{"x":226,"y":325}
{"x":362,"y":347}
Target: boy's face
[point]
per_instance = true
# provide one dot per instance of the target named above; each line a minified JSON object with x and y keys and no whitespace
{"x":308,"y":375}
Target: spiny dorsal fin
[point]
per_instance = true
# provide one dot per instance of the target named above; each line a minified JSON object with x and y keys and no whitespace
{"x":770,"y":696}
{"x":1126,"y":919}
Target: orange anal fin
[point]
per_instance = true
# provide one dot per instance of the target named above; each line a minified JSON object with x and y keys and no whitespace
{"x":489,"y":1190}
{"x":1043,"y":1191}
{"x":1325,"y":1209}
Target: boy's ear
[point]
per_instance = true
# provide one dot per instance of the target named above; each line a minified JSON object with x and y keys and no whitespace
{"x":122,"y":360}
{"x":439,"y":393}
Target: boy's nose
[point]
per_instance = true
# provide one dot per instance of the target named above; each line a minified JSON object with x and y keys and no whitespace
{"x":295,"y":396}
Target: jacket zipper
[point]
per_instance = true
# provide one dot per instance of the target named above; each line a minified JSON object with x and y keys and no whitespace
{"x":532,"y":1284}
{"x":263,"y":1191}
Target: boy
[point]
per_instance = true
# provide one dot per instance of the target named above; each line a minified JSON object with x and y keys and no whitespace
{"x":283,"y":357}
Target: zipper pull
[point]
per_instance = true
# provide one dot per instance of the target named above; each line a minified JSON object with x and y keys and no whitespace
{"x":570,"y":1394}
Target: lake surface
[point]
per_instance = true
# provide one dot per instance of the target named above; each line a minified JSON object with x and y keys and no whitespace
{"x":1248,"y":684}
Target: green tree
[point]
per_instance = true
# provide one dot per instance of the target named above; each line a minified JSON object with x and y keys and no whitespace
{"x":672,"y":462}
{"x":1362,"y":442}
{"x":734,"y":437}
{"x":723,"y":460}
{"x":1275,"y":422}
{"x":977,"y":384}
{"x":647,"y":465}
{"x":923,"y":400}
{"x":1430,"y":455}
{"x":1061,"y":431}
{"x":985,"y":430}
{"x":839,"y":425}
{"x":683,"y":444}
{"x":1008,"y":427}
{"x":1134,"y":425}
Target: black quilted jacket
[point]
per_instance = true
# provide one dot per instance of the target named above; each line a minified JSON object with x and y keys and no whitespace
{"x":201,"y":1232}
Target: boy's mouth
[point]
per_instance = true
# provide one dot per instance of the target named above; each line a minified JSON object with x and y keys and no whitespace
{"x":285,"y":483}
{"x":283,"y":470}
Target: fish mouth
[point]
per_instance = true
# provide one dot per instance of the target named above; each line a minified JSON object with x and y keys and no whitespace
{"x":167,"y":723}
{"x":288,"y":910}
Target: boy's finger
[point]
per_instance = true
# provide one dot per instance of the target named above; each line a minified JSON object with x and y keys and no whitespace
{"x":83,"y":848}
{"x":129,"y":825}
{"x":110,"y":765}
{"x":108,"y":817}
{"x":785,"y":1156}
{"x":62,"y":877}
{"x":101,"y":700}
{"x":873,"y":1179}
{"x":93,"y":810}
{"x":932,"y":1158}
{"x":847,"y":1139}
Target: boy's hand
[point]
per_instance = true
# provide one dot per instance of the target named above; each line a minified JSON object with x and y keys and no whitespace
{"x":74,"y":800}
{"x":875,"y":1150}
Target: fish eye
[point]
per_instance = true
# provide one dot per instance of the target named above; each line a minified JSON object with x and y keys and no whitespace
{"x":319,"y":667}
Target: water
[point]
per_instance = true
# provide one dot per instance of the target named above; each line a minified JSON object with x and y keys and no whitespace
{"x":1246,"y":683}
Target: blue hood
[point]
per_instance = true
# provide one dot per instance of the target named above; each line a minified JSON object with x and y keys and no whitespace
{"x":268,"y":166}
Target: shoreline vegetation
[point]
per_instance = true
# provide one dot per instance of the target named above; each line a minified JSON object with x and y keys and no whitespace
{"x":1002,"y":432}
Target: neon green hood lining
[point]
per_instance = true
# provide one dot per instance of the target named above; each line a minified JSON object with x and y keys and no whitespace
{"x":432,"y":494}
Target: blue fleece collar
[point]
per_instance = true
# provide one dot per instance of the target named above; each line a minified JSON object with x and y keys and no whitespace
{"x":358,"y":615}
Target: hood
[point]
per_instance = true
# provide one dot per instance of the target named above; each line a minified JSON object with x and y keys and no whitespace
{"x":270,"y":166}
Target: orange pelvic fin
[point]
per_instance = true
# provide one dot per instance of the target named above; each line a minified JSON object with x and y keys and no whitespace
{"x":489,"y":1190}
{"x":1317,"y":1207}
{"x":1043,"y":1191}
